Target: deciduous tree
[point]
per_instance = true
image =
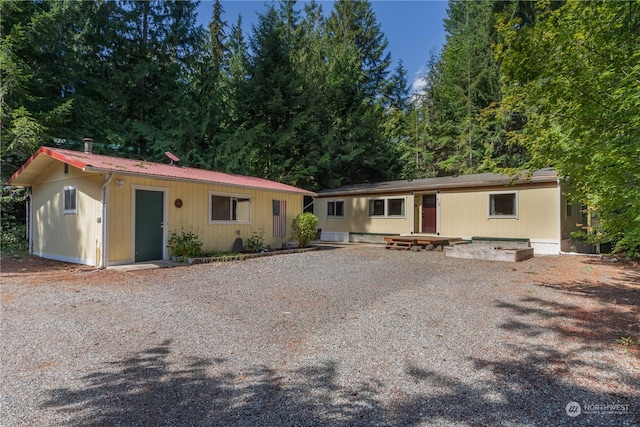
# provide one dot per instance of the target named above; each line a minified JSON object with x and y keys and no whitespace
{"x":575,"y":75}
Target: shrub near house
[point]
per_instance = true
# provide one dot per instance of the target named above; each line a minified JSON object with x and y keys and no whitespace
{"x":303,"y":228}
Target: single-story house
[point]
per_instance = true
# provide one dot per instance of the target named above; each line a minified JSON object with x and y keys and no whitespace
{"x":100,"y":210}
{"x":486,"y":205}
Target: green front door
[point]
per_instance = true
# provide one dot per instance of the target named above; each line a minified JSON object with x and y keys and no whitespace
{"x":149,"y":223}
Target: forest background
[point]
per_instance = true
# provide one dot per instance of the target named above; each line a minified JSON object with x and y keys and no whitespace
{"x":310,"y":99}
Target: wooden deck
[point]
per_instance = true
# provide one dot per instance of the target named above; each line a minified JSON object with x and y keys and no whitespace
{"x":407,"y":242}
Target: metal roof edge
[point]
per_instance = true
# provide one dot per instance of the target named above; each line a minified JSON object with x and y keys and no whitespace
{"x":91,"y":169}
{"x":47,"y":151}
{"x":56,"y":155}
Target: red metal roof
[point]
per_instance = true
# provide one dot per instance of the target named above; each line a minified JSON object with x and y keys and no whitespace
{"x":97,"y":163}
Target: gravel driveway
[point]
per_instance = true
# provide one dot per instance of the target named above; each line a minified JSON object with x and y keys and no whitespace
{"x":350,"y":336}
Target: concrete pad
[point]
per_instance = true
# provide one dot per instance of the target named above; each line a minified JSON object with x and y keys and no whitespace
{"x":147,"y":265}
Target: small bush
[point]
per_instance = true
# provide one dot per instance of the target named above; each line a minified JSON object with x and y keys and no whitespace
{"x":13,"y":230}
{"x":255,"y":243}
{"x":303,"y":228}
{"x":13,"y":240}
{"x":185,"y":244}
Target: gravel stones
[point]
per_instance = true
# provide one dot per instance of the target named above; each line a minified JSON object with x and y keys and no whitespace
{"x":348,"y":336}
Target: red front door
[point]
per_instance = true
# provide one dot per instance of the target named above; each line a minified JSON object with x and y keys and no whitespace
{"x":429,"y":213}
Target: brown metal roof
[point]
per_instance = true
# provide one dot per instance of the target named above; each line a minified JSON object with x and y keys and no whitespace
{"x":97,"y":163}
{"x":440,"y":183}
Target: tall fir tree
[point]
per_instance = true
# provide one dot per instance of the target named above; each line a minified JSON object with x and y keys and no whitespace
{"x":273,"y":90}
{"x":465,"y":128}
{"x":156,"y":51}
{"x":357,"y":78}
{"x":228,"y":153}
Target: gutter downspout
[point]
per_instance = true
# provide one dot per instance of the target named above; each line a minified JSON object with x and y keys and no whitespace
{"x":29,"y":221}
{"x":560,"y":213}
{"x":103,"y":254}
{"x":412,"y":213}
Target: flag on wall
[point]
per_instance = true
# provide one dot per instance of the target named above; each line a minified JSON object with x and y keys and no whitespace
{"x":279,"y":217}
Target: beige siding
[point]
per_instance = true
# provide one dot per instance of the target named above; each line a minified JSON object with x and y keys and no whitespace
{"x":357,"y":220}
{"x":461,"y":213}
{"x":67,"y":237}
{"x":193,"y":216}
{"x":464,"y":213}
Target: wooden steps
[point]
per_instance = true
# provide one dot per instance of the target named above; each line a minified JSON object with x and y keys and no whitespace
{"x":407,"y":242}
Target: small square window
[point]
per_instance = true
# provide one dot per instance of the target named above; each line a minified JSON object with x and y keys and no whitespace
{"x":335,"y":208}
{"x":376,"y":207}
{"x":228,"y":208}
{"x":503,"y":205}
{"x":395,"y":207}
{"x":70,"y":200}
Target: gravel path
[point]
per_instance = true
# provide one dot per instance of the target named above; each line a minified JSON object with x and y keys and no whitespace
{"x":351,"y":336}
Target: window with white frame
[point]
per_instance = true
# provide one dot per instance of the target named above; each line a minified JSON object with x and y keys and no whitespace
{"x":387,"y":207}
{"x":335,"y":208}
{"x":503,"y":204}
{"x":70,"y":200}
{"x":224,"y":208}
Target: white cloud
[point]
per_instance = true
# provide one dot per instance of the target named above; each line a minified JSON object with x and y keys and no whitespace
{"x":419,"y":82}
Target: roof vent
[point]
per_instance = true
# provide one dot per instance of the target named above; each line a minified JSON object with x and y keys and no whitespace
{"x":171,"y":156}
{"x":88,"y":145}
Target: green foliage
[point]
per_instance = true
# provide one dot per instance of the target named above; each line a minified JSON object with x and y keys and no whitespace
{"x":309,"y":106}
{"x":458,"y":127}
{"x":255,"y":242}
{"x":13,"y":226}
{"x":574,"y":76}
{"x":303,"y":228}
{"x":185,"y":244}
{"x":12,"y":240}
{"x":114,"y":71}
{"x":627,"y":342}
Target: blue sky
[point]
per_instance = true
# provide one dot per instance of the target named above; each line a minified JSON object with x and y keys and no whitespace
{"x":413,"y":28}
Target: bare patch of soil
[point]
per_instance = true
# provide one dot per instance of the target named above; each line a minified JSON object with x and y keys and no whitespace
{"x":32,"y":265}
{"x":608,"y":310}
{"x":35,"y":270}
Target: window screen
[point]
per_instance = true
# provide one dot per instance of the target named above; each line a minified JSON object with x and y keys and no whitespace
{"x":70,"y":203}
{"x":502,"y":204}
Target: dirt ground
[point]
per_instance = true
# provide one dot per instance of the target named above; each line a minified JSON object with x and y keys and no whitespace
{"x":605,"y":283}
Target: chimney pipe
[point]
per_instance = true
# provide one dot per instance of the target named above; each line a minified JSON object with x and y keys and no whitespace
{"x":88,"y":145}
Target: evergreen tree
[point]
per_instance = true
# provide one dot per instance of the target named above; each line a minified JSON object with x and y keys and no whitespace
{"x":208,"y":105}
{"x":357,"y":85}
{"x":274,"y":88}
{"x":37,"y":76}
{"x":466,"y":128}
{"x":156,"y":52}
{"x":228,"y":153}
